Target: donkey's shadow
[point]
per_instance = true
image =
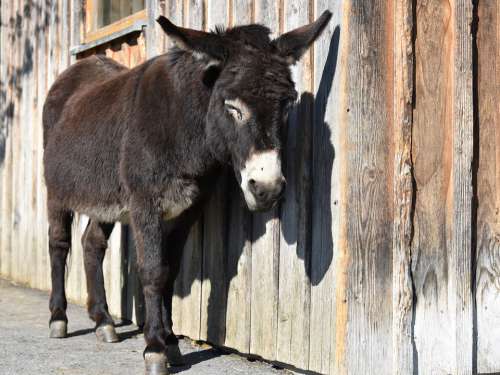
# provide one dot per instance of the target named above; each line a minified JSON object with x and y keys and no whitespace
{"x":242,"y":228}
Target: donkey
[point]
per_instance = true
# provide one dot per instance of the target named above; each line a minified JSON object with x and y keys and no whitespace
{"x":146,"y":146}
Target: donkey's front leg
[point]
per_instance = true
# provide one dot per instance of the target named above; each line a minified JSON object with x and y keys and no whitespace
{"x":153,"y":270}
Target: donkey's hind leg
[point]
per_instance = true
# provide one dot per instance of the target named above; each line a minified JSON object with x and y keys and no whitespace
{"x":59,"y":245}
{"x":95,"y":242}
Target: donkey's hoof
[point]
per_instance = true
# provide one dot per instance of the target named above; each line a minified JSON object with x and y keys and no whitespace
{"x":174,"y":355}
{"x":106,"y":333}
{"x":58,"y":329}
{"x":156,"y":364}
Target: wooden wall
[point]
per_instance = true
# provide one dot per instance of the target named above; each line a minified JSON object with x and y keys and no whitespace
{"x":385,"y":255}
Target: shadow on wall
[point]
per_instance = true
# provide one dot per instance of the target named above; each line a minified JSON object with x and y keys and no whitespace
{"x":238,"y":220}
{"x":19,"y":49}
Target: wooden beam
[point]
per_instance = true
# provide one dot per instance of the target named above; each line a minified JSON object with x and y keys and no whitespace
{"x":115,"y":27}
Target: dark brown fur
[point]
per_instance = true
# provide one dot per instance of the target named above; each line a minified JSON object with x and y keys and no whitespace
{"x":134,"y":144}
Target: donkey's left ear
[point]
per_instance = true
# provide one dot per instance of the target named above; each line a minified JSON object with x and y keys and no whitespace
{"x":293,"y":44}
{"x":199,"y":43}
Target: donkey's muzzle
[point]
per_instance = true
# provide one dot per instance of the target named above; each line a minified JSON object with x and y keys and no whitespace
{"x":266,"y":194}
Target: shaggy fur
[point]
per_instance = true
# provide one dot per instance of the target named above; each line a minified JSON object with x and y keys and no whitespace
{"x":147,"y":144}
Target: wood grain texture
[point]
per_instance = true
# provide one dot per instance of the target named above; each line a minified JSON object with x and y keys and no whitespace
{"x":462,"y":154}
{"x":325,"y":283}
{"x":152,"y":32}
{"x":295,"y":246}
{"x":369,"y":189}
{"x":238,"y":271}
{"x":218,"y":13}
{"x":487,"y":267}
{"x":325,"y":189}
{"x":402,"y":299}
{"x":431,"y":155}
{"x":214,"y":284}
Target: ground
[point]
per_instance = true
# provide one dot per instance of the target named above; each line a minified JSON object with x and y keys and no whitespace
{"x":26,"y":349}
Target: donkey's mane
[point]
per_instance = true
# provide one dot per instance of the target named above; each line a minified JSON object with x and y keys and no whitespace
{"x":254,"y":36}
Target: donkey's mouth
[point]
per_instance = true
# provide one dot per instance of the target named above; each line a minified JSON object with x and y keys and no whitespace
{"x":263,"y":207}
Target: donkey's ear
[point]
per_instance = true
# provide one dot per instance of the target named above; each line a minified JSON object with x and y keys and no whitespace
{"x":200,"y":43}
{"x":293,"y":44}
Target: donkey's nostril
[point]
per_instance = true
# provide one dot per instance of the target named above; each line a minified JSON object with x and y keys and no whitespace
{"x":252,"y":182}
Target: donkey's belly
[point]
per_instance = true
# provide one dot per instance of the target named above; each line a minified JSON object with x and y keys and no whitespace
{"x":117,"y":213}
{"x":172,"y":205}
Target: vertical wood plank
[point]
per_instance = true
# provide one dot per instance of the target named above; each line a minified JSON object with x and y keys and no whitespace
{"x":294,"y":246}
{"x":42,"y":225}
{"x":32,"y":127}
{"x":214,"y":285}
{"x":487,"y":266}
{"x":402,"y":298}
{"x":462,"y":143}
{"x":7,"y":114}
{"x":369,"y":190}
{"x":325,"y":225}
{"x":238,"y":271}
{"x":431,"y":155}
{"x":218,"y":13}
{"x":16,"y":155}
{"x":152,"y":31}
{"x":23,"y":213}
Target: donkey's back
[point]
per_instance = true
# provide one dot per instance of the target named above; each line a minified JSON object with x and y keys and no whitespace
{"x":73,"y":81}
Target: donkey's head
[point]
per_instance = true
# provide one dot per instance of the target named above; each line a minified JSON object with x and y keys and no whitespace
{"x":251,"y":93}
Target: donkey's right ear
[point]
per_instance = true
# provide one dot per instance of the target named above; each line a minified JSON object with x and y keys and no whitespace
{"x":201,"y":44}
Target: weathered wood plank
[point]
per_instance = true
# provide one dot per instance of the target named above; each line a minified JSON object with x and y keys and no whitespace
{"x":294,"y":245}
{"x":7,"y":118}
{"x":487,"y":267}
{"x":218,"y":13}
{"x":214,"y":285}
{"x":32,"y":128}
{"x":238,"y":271}
{"x":152,"y":33}
{"x":325,"y":225}
{"x":44,"y":82}
{"x":42,"y":252}
{"x":24,"y":67}
{"x":461,"y":215}
{"x":369,"y":188}
{"x":17,"y":147}
{"x":403,"y":355}
{"x":431,"y":137}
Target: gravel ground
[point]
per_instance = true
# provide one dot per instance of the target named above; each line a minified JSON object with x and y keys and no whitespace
{"x":26,"y":349}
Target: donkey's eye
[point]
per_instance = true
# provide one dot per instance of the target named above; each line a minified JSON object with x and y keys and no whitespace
{"x":238,"y":109}
{"x":234,"y":111}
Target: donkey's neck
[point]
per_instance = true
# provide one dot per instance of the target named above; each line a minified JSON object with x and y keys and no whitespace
{"x":175,"y":106}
